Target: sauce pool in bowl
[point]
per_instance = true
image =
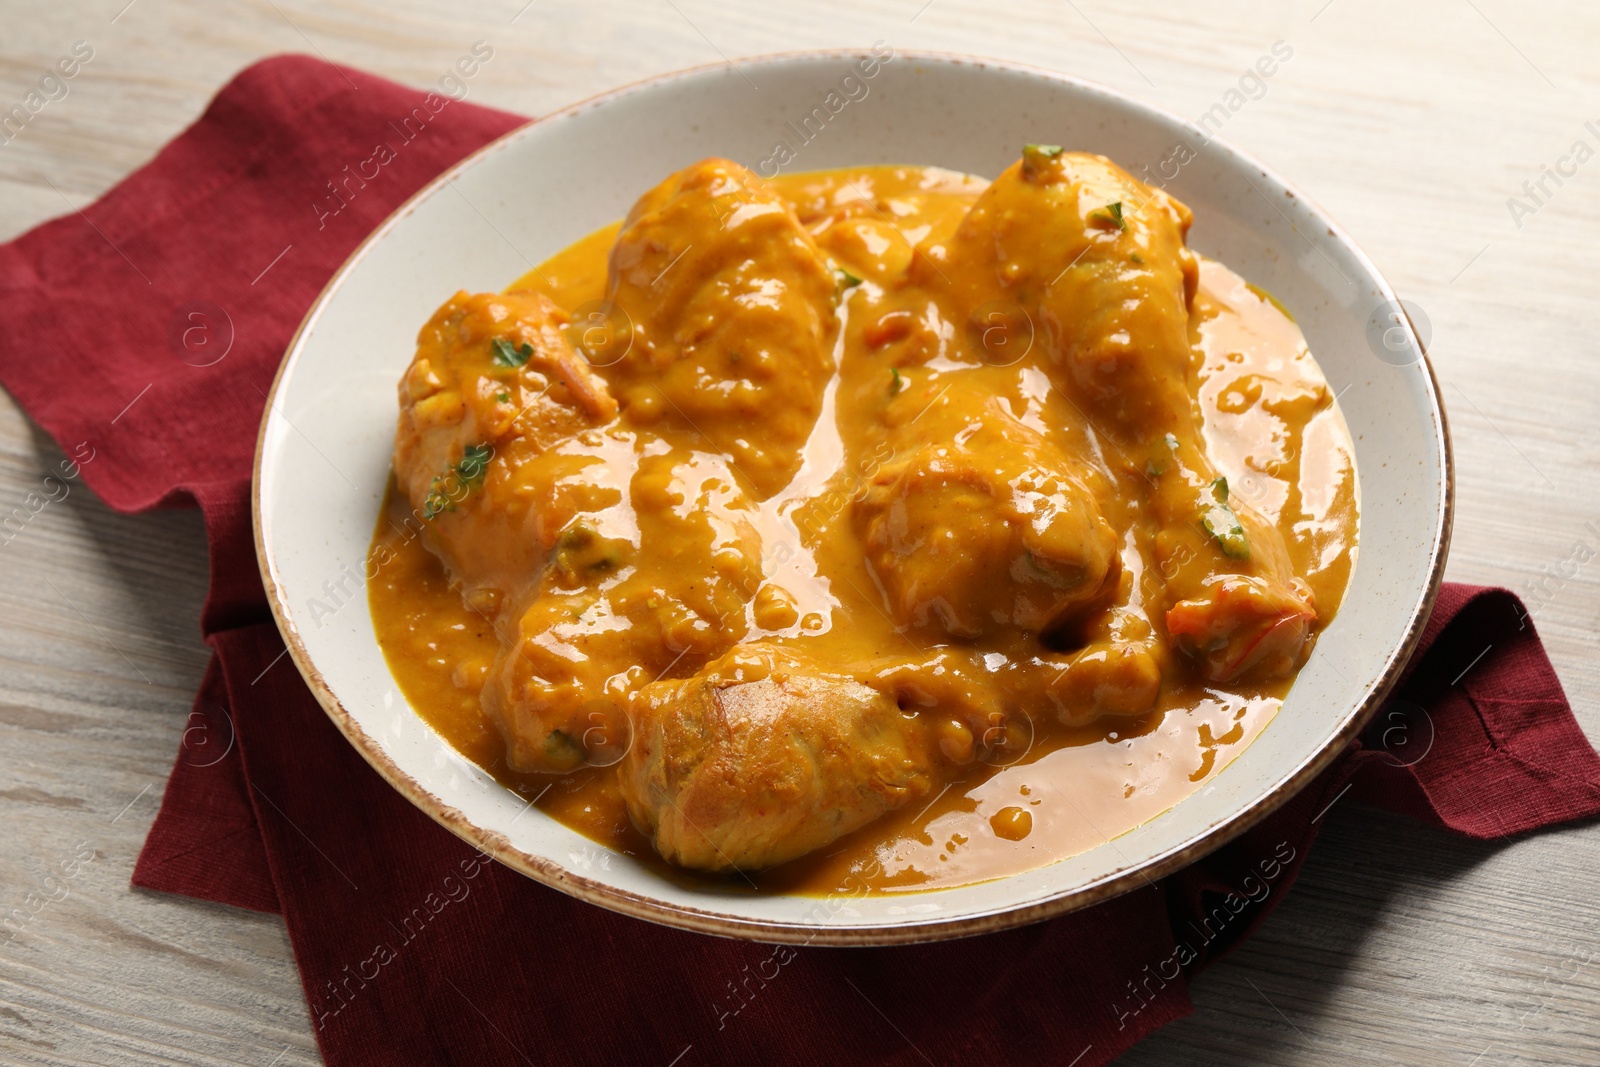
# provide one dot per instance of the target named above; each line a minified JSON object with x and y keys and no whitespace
{"x":1043,"y":790}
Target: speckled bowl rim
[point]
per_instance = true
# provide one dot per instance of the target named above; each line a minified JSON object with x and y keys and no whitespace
{"x":639,"y":906}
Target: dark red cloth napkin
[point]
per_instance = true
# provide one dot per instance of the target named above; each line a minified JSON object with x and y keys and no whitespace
{"x":143,"y":333}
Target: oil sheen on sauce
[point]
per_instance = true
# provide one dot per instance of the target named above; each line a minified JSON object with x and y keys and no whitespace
{"x":1272,"y":430}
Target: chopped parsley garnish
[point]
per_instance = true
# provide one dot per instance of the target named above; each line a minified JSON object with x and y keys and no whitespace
{"x":1137,"y":258}
{"x":561,"y":750}
{"x":848,"y":280}
{"x":896,"y":383}
{"x":1157,"y":466}
{"x":503,"y":396}
{"x":460,"y":479}
{"x":580,"y":552}
{"x":1110,"y":217}
{"x":507,"y":354}
{"x":1035,"y":156}
{"x":474,"y":463}
{"x":1221,"y":523}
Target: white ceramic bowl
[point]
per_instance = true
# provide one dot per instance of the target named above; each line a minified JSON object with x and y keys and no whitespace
{"x":541,"y":187}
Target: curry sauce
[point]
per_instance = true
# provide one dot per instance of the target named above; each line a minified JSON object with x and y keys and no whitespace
{"x":879,"y":524}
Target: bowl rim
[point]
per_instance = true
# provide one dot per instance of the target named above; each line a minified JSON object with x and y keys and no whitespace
{"x":636,"y":905}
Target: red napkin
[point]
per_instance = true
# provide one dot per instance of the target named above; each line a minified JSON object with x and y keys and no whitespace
{"x":143,"y":333}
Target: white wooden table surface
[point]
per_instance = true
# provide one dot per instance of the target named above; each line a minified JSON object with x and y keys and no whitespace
{"x":1412,"y":122}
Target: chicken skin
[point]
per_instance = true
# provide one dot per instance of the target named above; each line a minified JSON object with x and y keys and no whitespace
{"x":731,"y":305}
{"x":1097,"y":259}
{"x":764,"y":757}
{"x":610,"y":613}
{"x":494,"y":392}
{"x":869,"y":486}
{"x":558,"y":531}
{"x":984,"y":527}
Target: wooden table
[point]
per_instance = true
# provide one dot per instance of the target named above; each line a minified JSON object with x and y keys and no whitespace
{"x":1412,"y":123}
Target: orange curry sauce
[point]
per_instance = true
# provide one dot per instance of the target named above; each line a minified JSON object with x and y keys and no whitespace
{"x":1042,"y":786}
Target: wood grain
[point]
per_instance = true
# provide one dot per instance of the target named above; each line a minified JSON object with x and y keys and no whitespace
{"x":1411,"y":123}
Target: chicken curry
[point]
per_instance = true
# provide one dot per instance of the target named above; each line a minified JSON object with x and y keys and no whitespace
{"x":882,"y":524}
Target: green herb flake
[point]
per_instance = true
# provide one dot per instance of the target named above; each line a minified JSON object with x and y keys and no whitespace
{"x":1036,"y":156}
{"x":896,"y":383}
{"x":469,"y":473}
{"x":1156,"y":466}
{"x":579,"y":535}
{"x":505,"y":354}
{"x":474,"y":464}
{"x":581,"y":552}
{"x":1110,"y":217}
{"x":1137,"y":258}
{"x":847,"y":280}
{"x":562,"y":751}
{"x":503,"y":396}
{"x":1222,"y":523}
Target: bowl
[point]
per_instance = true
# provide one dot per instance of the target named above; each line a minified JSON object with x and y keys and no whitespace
{"x":330,"y":421}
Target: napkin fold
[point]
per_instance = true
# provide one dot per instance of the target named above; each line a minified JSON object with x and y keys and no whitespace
{"x":143,"y":331}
